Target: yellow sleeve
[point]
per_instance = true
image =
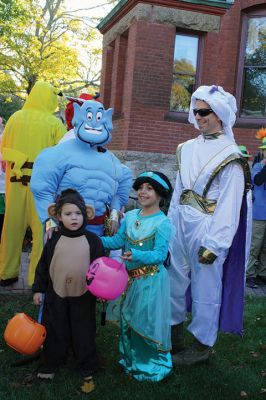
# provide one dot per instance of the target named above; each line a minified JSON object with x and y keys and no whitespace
{"x":4,"y":136}
{"x":60,"y":131}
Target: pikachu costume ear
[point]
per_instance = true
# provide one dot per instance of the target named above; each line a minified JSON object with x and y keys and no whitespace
{"x":90,"y":211}
{"x":52,"y":210}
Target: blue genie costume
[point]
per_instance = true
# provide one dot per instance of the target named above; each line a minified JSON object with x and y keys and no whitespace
{"x":83,"y":164}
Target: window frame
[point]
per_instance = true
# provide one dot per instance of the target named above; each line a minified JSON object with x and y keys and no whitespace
{"x":242,"y":120}
{"x":182,"y":116}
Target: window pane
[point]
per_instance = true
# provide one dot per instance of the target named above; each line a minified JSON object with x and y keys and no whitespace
{"x":185,"y":63}
{"x":186,"y":48}
{"x":256,"y":42}
{"x":182,"y":89}
{"x":254,"y":95}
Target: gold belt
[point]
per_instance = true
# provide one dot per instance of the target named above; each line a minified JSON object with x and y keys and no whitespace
{"x":193,"y":199}
{"x":143,"y":271}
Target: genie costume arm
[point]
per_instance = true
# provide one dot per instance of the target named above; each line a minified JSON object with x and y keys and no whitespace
{"x":47,"y":173}
{"x":124,"y":185}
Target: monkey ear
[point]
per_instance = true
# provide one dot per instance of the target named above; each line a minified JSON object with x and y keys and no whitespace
{"x":90,"y":211}
{"x":52,"y":210}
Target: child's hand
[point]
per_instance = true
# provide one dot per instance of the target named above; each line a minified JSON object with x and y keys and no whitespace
{"x":127,"y":256}
{"x":37,"y":299}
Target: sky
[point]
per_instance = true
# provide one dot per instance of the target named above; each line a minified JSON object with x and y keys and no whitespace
{"x":90,"y":8}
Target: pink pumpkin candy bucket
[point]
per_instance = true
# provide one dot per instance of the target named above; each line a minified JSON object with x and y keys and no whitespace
{"x":106,"y":278}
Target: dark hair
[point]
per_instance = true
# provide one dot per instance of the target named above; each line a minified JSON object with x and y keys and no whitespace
{"x":159,"y":189}
{"x":71,"y":196}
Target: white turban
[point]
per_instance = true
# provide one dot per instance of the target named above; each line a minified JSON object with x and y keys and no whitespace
{"x":222,"y":103}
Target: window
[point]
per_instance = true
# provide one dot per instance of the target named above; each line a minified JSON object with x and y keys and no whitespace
{"x":184,"y":71}
{"x":253,"y":68}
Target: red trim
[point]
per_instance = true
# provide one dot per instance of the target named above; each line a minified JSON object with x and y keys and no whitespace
{"x":98,"y":220}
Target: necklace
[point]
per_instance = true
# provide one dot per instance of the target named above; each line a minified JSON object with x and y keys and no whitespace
{"x":212,"y":136}
{"x":137,"y":223}
{"x":138,"y":220}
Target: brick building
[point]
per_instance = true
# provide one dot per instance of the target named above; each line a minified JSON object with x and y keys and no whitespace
{"x":156,"y":52}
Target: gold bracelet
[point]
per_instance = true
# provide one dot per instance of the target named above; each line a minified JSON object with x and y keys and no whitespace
{"x":114,"y":215}
{"x":208,"y":256}
{"x":50,"y":223}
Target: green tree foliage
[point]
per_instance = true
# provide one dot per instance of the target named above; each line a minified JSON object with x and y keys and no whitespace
{"x":183,"y":83}
{"x":8,"y":105}
{"x":42,"y":40}
{"x":254,"y":101}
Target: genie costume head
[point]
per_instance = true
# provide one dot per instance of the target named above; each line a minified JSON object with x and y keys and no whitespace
{"x":92,"y":123}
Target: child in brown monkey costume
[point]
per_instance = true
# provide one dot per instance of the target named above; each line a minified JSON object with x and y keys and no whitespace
{"x":69,"y":309}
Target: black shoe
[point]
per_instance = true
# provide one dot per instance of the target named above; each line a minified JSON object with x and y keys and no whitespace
{"x":195,"y":354}
{"x":8,"y":282}
{"x":177,"y":336}
{"x":252,"y":283}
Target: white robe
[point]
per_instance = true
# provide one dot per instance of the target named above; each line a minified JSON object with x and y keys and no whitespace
{"x":199,"y":157}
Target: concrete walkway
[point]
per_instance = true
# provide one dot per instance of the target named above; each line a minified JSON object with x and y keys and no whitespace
{"x":22,"y":285}
{"x":259,"y":291}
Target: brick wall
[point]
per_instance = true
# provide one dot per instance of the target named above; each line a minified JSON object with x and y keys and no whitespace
{"x":137,"y":77}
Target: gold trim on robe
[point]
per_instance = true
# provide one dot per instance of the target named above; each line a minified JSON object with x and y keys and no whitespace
{"x":193,"y":199}
{"x":202,"y":203}
{"x":233,"y":157}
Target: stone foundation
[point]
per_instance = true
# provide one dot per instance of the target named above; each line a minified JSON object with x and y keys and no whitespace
{"x":139,"y":162}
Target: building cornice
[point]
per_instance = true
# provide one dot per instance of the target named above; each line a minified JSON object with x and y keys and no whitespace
{"x":180,"y":19}
{"x":217,"y":8}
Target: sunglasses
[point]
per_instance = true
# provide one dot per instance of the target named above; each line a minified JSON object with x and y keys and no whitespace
{"x":203,"y":112}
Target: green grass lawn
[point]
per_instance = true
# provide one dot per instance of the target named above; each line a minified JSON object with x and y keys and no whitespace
{"x":237,"y":367}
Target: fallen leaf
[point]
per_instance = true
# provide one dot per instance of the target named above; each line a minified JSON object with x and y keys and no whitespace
{"x":29,"y":379}
{"x":255,"y":354}
{"x":88,"y":386}
{"x":236,"y":367}
{"x":243,"y":393}
{"x":262,"y":391}
{"x":15,"y":384}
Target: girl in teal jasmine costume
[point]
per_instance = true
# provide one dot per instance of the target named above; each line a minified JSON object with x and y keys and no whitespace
{"x":145,"y":340}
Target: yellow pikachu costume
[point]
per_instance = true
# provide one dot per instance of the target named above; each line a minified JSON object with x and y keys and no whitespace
{"x":26,"y":134}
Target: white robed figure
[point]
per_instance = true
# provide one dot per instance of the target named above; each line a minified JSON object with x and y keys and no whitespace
{"x":210,"y":210}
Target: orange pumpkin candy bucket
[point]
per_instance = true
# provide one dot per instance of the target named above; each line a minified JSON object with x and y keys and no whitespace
{"x":24,"y":334}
